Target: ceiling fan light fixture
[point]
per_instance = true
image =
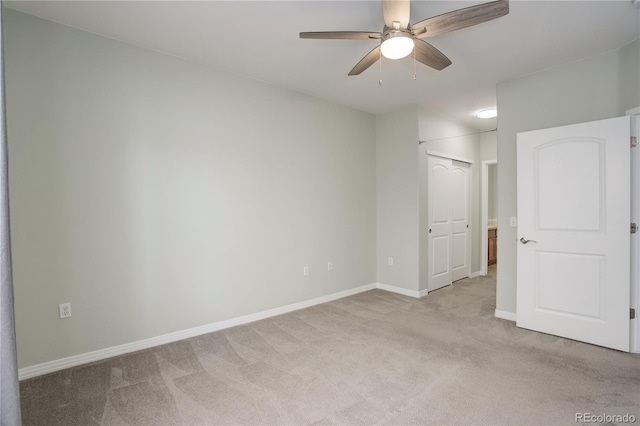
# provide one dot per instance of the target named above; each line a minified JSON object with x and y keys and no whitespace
{"x":399,"y":38}
{"x":487,"y":113}
{"x":397,"y":45}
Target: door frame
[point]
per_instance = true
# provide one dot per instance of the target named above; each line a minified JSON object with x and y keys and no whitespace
{"x":634,"y":327}
{"x":484,"y":214}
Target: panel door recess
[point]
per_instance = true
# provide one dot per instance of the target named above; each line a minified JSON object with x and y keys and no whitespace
{"x":574,"y":208}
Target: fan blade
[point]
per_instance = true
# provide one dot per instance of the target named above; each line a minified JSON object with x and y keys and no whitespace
{"x":343,"y":35}
{"x":429,"y":55}
{"x":370,"y":59}
{"x":396,"y":10}
{"x":462,"y":18}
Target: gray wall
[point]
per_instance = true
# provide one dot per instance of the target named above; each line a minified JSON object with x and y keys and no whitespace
{"x":397,"y":198}
{"x":157,"y":195}
{"x":603,"y":86}
{"x":489,"y":145}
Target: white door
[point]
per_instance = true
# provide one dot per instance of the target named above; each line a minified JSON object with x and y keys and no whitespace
{"x":460,"y":193}
{"x":448,"y":217}
{"x":573,"y":206}
{"x":439,"y":219}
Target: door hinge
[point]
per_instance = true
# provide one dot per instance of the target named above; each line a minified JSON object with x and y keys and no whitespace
{"x":634,"y":141}
{"x":632,"y":313}
{"x":634,"y":228}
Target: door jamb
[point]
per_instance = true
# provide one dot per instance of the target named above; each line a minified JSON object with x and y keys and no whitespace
{"x":634,"y":326}
{"x":484,"y":215}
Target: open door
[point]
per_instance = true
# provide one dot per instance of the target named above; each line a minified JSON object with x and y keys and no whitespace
{"x":574,"y":232}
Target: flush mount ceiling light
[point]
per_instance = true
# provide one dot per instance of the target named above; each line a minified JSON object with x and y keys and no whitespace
{"x":487,"y":113}
{"x":396,"y":44}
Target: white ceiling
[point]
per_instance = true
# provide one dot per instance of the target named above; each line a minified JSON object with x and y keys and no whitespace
{"x":260,"y":39}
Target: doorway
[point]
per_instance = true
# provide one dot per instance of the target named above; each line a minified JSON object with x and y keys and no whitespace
{"x":489,"y":217}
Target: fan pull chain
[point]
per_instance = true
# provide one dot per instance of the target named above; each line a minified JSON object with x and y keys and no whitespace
{"x":380,"y":80}
{"x":414,"y":64}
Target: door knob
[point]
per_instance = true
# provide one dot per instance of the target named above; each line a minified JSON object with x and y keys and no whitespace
{"x":523,"y":240}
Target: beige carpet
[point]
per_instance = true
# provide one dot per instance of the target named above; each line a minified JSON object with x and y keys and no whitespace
{"x":373,"y":358}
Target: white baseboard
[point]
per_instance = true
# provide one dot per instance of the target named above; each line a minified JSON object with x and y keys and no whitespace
{"x":475,"y":274}
{"x":403,"y":291}
{"x":75,"y":360}
{"x":72,"y":361}
{"x":511,"y":316}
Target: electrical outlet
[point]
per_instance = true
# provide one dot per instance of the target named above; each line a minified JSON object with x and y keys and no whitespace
{"x":391,"y":261}
{"x":329,"y":266}
{"x":65,"y":310}
{"x":305,"y":271}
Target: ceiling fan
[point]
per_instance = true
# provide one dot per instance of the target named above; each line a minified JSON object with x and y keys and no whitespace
{"x":399,"y":38}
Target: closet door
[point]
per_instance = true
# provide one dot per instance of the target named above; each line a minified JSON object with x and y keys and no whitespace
{"x":460,"y":196}
{"x":439,"y":219}
{"x":448,"y":203}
